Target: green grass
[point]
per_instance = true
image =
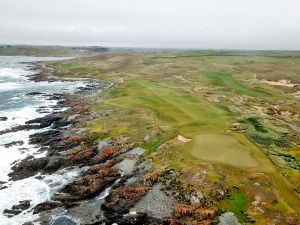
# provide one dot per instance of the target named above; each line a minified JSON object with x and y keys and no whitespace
{"x":225,"y":80}
{"x":257,"y":125}
{"x":154,"y":144}
{"x":221,"y":148}
{"x":185,"y":113}
{"x":237,"y":203}
{"x":70,"y":66}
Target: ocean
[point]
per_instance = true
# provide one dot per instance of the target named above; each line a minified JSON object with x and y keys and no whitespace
{"x":17,"y":106}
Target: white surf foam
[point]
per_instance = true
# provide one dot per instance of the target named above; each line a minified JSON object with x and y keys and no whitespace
{"x":39,"y":188}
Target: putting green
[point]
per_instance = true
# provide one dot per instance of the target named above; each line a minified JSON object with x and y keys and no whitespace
{"x":223,"y":148}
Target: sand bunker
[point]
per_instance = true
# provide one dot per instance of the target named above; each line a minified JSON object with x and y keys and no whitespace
{"x":183,"y":139}
{"x":222,"y":148}
{"x":283,"y":82}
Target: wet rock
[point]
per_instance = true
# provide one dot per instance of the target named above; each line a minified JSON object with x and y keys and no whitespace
{"x":28,"y":167}
{"x":22,"y":206}
{"x":28,"y":223}
{"x":11,"y":212}
{"x":62,"y":123}
{"x":94,"y":180}
{"x":17,"y":209}
{"x":54,"y":164}
{"x":34,"y":93}
{"x":54,"y":96}
{"x":19,"y":128}
{"x":45,"y":121}
{"x":3,"y":118}
{"x":45,"y":206}
{"x":63,"y":220}
{"x":2,"y":187}
{"x":13,"y":143}
{"x":47,"y":138}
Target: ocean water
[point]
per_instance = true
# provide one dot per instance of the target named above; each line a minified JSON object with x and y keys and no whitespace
{"x":19,"y":107}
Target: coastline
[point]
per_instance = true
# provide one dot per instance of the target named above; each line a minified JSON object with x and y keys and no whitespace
{"x":68,"y":146}
{"x":111,"y":159}
{"x":109,"y":168}
{"x":114,"y":182}
{"x":56,"y":126}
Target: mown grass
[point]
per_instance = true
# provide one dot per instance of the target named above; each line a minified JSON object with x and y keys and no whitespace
{"x":225,"y":80}
{"x":187,"y":114}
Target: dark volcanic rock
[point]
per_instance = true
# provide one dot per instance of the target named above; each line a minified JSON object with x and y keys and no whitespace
{"x":11,"y":212}
{"x":62,"y":123}
{"x":20,"y":128}
{"x":28,"y":223}
{"x":45,"y":121}
{"x":45,"y":206}
{"x":94,"y":180}
{"x":22,"y":206}
{"x":45,"y":138}
{"x":54,"y":164}
{"x":3,"y":118}
{"x":54,"y":96}
{"x":2,"y":186}
{"x":17,"y":209}
{"x":28,"y":167}
{"x":34,"y":93}
{"x":18,"y":143}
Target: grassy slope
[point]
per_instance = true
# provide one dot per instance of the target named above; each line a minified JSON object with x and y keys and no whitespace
{"x":225,"y":80}
{"x":166,"y":92}
{"x":187,"y":114}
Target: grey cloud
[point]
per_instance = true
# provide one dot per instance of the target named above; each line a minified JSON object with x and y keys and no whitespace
{"x":236,"y":24}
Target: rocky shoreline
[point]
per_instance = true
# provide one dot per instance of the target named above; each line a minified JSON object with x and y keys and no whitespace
{"x":116,"y":185}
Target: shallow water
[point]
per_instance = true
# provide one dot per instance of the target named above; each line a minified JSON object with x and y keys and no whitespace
{"x":18,"y":108}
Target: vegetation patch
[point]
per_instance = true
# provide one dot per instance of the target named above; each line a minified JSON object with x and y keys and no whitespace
{"x":225,"y":80}
{"x":257,"y":125}
{"x":236,"y":202}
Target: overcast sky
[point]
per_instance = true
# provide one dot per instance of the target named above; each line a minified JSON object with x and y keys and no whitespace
{"x":204,"y":24}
